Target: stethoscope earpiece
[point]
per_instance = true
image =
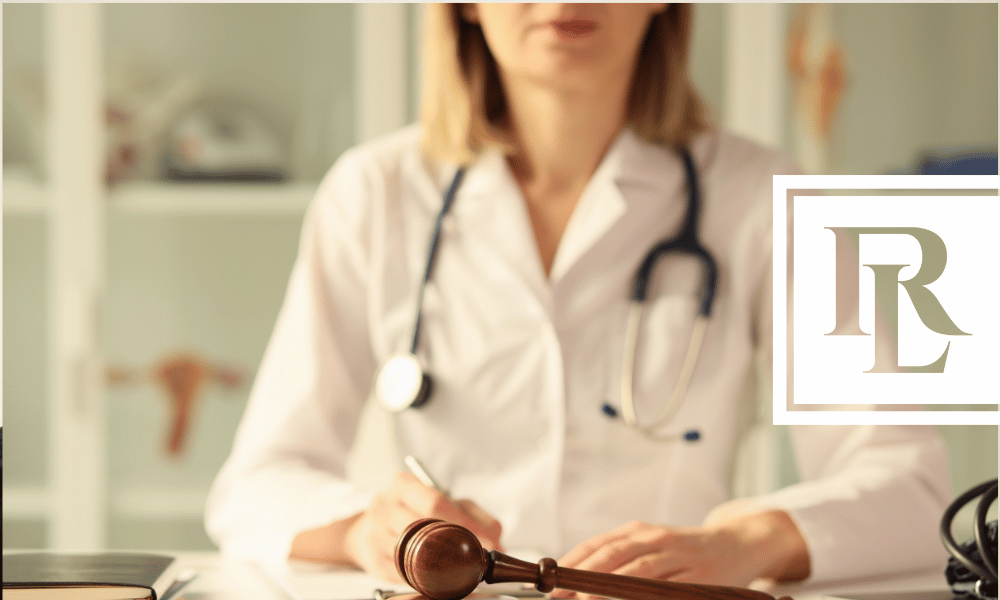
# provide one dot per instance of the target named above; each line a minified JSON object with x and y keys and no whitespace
{"x":401,"y":383}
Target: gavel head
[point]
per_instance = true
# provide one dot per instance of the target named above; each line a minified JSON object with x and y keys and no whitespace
{"x":441,"y":560}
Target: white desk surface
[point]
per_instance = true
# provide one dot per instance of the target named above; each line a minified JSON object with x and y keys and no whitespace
{"x":221,"y":579}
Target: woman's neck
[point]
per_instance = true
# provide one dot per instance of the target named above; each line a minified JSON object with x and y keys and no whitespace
{"x":561,"y":137}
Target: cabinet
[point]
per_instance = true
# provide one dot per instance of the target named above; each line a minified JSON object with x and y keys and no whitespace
{"x":101,"y":276}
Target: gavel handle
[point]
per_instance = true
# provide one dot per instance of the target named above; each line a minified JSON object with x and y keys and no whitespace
{"x":546,"y":576}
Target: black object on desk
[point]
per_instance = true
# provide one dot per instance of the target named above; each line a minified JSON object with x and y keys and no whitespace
{"x":972,"y":567}
{"x":924,"y":595}
{"x":120,"y":575}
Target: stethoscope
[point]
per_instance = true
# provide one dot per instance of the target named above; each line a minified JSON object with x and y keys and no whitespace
{"x":401,"y":382}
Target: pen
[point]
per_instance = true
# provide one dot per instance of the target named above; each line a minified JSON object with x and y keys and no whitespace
{"x":421,"y":473}
{"x":425,"y":478}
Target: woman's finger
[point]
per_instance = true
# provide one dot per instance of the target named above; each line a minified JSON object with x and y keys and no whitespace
{"x":653,"y":565}
{"x":423,"y":502}
{"x":399,"y":518}
{"x":612,"y":556}
{"x":367,"y":545}
{"x":409,"y":490}
{"x":488,"y":528}
{"x":607,"y":552}
{"x":583,"y":550}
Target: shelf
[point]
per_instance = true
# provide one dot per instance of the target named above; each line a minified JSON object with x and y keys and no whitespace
{"x":143,"y":503}
{"x":212,"y":199}
{"x":24,"y":502}
{"x":23,"y":194}
{"x":133,"y":502}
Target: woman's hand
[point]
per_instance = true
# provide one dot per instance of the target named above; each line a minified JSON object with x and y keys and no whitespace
{"x":367,"y":540}
{"x":371,"y":538}
{"x":733,"y":552}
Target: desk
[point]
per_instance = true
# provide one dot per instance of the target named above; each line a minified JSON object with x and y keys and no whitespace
{"x":221,"y":579}
{"x":917,"y":585}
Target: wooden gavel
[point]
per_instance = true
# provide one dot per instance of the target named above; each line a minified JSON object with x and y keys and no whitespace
{"x":444,"y":561}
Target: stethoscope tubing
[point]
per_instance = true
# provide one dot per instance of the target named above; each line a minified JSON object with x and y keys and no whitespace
{"x":988,"y":491}
{"x":683,"y":378}
{"x":686,"y":242}
{"x":449,"y":198}
{"x":979,"y":531}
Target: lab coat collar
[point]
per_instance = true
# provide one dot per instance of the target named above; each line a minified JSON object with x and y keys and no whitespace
{"x":630,"y":162}
{"x":643,"y":165}
{"x":632,"y":171}
{"x":600,"y":206}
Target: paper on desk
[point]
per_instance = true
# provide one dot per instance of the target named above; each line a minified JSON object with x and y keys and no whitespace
{"x":316,"y":581}
{"x":924,"y":584}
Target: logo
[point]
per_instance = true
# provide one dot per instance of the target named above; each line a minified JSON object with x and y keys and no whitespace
{"x":886,"y":293}
{"x":934,"y":257}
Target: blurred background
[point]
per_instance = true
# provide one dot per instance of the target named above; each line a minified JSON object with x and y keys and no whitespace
{"x":158,"y":159}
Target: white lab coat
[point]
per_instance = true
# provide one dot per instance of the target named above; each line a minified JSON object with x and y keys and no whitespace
{"x":522,"y":363}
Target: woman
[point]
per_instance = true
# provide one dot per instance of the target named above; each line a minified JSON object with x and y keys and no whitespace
{"x":570,"y":122}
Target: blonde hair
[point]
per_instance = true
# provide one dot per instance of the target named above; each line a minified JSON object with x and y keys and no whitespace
{"x":463,"y":104}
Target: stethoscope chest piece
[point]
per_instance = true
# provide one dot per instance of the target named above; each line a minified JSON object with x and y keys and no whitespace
{"x":401,"y":383}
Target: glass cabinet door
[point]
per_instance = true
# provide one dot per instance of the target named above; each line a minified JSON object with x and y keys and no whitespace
{"x":193,"y":288}
{"x":25,"y":285}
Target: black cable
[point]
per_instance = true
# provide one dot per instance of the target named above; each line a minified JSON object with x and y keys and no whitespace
{"x":986,"y":550}
{"x":949,"y":541}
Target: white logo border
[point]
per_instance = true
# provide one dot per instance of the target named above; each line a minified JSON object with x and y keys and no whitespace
{"x":784,"y":183}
